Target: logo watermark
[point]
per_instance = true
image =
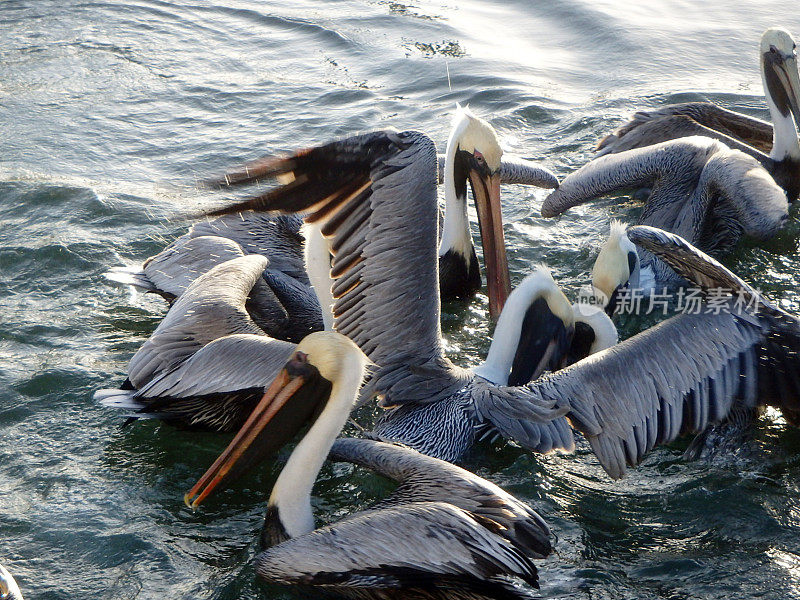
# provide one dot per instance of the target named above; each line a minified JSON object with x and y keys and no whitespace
{"x":684,"y":300}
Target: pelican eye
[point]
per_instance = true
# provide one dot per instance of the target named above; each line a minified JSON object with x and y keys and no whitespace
{"x":301,"y":357}
{"x":479,"y":157}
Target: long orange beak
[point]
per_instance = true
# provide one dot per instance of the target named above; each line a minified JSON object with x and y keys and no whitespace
{"x":276,"y":396}
{"x":486,"y":191}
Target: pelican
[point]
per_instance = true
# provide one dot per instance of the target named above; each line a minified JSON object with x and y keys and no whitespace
{"x":459,"y":273}
{"x":215,"y":241}
{"x":742,"y":132}
{"x":373,"y":197}
{"x":444,"y":532}
{"x":207,"y":362}
{"x":702,"y":190}
{"x":9,"y":590}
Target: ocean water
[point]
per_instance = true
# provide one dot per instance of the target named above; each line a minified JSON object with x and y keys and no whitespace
{"x":110,"y":112}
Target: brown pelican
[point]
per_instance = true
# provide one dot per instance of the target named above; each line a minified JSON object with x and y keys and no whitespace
{"x":206,"y":364}
{"x":443,"y":529}
{"x":9,"y":590}
{"x":214,"y":241}
{"x":742,"y":132}
{"x":702,"y":191}
{"x":374,"y":198}
{"x":459,"y":273}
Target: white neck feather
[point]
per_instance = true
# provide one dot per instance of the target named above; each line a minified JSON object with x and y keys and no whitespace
{"x":784,"y":131}
{"x":291,"y":494}
{"x":318,"y":265}
{"x":455,"y":230}
{"x":497,"y":366}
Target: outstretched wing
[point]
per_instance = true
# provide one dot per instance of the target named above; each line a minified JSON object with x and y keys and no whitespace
{"x":426,"y":479}
{"x":689,"y":118}
{"x":695,"y":265}
{"x":778,"y":382}
{"x":374,"y":196}
{"x":677,"y":377}
{"x":416,"y":547}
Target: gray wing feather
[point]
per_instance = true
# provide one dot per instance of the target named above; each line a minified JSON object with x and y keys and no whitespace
{"x":368,"y":548}
{"x":235,"y":362}
{"x":668,"y":163}
{"x":374,"y":196}
{"x":388,"y":301}
{"x":534,"y":421}
{"x":690,"y":118}
{"x":758,"y":204}
{"x":695,"y":265}
{"x":426,"y":479}
{"x":679,"y":376}
{"x":277,"y":237}
{"x":175,"y":268}
{"x":212,"y":307}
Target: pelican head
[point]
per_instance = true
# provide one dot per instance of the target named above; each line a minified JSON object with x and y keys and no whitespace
{"x":300,"y":394}
{"x":474,"y":154}
{"x":782,"y":88}
{"x":616,"y":267}
{"x":9,"y":590}
{"x":532,"y":334}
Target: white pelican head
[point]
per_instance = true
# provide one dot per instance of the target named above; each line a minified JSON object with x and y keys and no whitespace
{"x":782,"y":89}
{"x":474,"y":154}
{"x":616,"y":267}
{"x":532,"y":334}
{"x":318,"y":384}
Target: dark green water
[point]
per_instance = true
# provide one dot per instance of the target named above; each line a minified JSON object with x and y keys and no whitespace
{"x":109,"y":114}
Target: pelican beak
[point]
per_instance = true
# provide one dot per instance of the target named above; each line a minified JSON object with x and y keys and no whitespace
{"x":273,"y":422}
{"x":614,"y":299}
{"x":791,"y":80}
{"x":784,"y":69}
{"x":486,"y":191}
